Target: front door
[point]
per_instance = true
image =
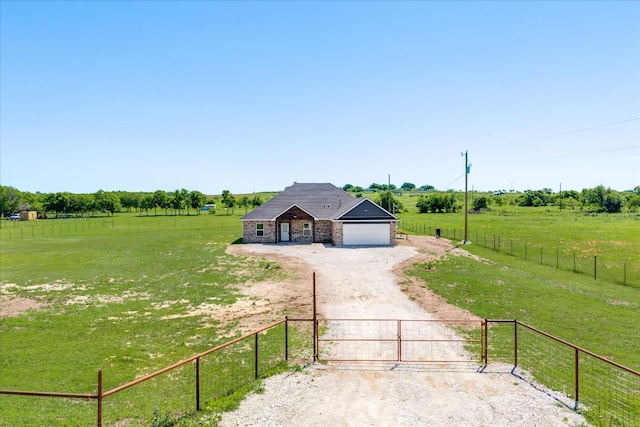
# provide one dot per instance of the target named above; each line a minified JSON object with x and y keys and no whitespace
{"x":284,"y":232}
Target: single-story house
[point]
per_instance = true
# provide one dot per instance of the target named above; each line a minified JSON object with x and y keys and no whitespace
{"x":319,"y":213}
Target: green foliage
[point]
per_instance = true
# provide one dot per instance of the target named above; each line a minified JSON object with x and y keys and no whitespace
{"x":228,"y":200}
{"x":381,"y":187}
{"x":386,"y":200}
{"x":435,"y":202}
{"x":408,"y":186}
{"x":10,"y":200}
{"x":480,"y":203}
{"x":352,"y":188}
{"x":160,"y":419}
{"x":535,"y":198}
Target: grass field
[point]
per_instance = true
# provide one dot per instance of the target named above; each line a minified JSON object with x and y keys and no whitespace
{"x":112,"y":292}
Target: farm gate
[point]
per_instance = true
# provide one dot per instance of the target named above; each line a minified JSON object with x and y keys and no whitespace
{"x":395,"y":340}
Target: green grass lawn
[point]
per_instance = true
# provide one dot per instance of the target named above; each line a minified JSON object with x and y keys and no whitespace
{"x":114,"y":295}
{"x":600,"y":317}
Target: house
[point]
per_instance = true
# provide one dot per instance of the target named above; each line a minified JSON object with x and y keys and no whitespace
{"x":319,"y":213}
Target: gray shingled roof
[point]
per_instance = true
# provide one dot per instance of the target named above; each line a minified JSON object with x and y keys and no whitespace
{"x":323,"y":201}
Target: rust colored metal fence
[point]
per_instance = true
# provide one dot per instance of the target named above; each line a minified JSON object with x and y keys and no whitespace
{"x":386,"y":340}
{"x":607,"y":392}
{"x":185,"y":386}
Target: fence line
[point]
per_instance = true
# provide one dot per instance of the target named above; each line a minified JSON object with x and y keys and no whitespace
{"x":593,"y":266}
{"x":253,"y":360}
{"x":608,"y":393}
{"x":50,"y":228}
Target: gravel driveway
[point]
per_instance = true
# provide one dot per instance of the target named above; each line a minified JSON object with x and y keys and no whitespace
{"x":359,"y":283}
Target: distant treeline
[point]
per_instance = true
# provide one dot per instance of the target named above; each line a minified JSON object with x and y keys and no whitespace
{"x":178,"y":202}
{"x":598,"y":199}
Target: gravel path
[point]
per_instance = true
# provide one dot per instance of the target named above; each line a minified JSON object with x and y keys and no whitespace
{"x":359,"y":283}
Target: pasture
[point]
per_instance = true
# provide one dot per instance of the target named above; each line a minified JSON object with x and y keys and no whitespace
{"x":132,"y":293}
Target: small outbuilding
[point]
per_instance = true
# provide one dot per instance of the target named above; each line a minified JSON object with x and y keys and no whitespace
{"x":319,"y":213}
{"x":28,"y":215}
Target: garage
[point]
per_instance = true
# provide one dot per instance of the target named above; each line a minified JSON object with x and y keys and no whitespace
{"x":366,"y":234}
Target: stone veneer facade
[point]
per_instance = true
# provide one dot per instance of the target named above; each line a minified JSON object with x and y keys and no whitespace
{"x":322,"y":232}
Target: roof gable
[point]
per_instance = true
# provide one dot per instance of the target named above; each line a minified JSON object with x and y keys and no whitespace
{"x":364,"y":210}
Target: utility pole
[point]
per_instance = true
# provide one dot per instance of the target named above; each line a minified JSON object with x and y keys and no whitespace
{"x":467,"y":167}
{"x":389,"y":194}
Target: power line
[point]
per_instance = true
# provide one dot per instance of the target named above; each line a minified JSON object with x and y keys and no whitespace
{"x":557,"y":134}
{"x":563,"y":156}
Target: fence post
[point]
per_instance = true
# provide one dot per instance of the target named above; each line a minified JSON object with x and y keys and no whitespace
{"x":399,"y":332}
{"x":315,"y":321}
{"x":515,"y":344}
{"x":100,"y":398}
{"x":286,"y":338}
{"x":577,"y":378}
{"x":485,"y":346}
{"x":198,"y":384}
{"x":255,"y":364}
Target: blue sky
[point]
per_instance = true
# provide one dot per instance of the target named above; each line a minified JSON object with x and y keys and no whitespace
{"x":252,"y":96}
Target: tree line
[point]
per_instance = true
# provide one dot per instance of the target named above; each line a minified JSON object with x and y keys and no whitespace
{"x":598,"y":199}
{"x":178,"y":202}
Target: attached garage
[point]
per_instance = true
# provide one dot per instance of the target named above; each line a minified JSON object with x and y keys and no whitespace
{"x":366,"y":234}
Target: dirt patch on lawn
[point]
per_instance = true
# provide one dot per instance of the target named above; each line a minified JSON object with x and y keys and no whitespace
{"x":14,"y":306}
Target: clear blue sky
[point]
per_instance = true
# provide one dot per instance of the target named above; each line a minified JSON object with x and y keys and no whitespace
{"x":252,"y":96}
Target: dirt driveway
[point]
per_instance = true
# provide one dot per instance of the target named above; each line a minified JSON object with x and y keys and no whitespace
{"x":365,"y":282}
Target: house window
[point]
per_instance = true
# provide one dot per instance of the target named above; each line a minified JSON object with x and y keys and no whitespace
{"x":260,"y":229}
{"x":306,"y":229}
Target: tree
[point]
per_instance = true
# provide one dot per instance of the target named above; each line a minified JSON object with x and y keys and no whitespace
{"x":10,"y":200}
{"x":480,"y":203}
{"x":602,"y":199}
{"x":434,"y":203}
{"x":147,"y":202}
{"x":196,"y":200}
{"x":408,"y":186}
{"x":107,"y":202}
{"x":386,"y":197}
{"x":534,"y":198}
{"x":130,"y":200}
{"x":228,"y":200}
{"x":245,"y":203}
{"x":161,"y":200}
{"x":427,"y":187}
{"x":256,"y":201}
{"x":178,"y":200}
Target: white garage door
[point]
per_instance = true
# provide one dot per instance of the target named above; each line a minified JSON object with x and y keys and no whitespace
{"x":366,"y":234}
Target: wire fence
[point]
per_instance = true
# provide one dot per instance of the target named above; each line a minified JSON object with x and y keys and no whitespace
{"x":17,"y":230}
{"x":209,"y":380}
{"x":608,"y":393}
{"x":623,"y":272}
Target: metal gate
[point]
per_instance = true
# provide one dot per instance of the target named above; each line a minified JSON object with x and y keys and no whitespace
{"x":391,"y":340}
